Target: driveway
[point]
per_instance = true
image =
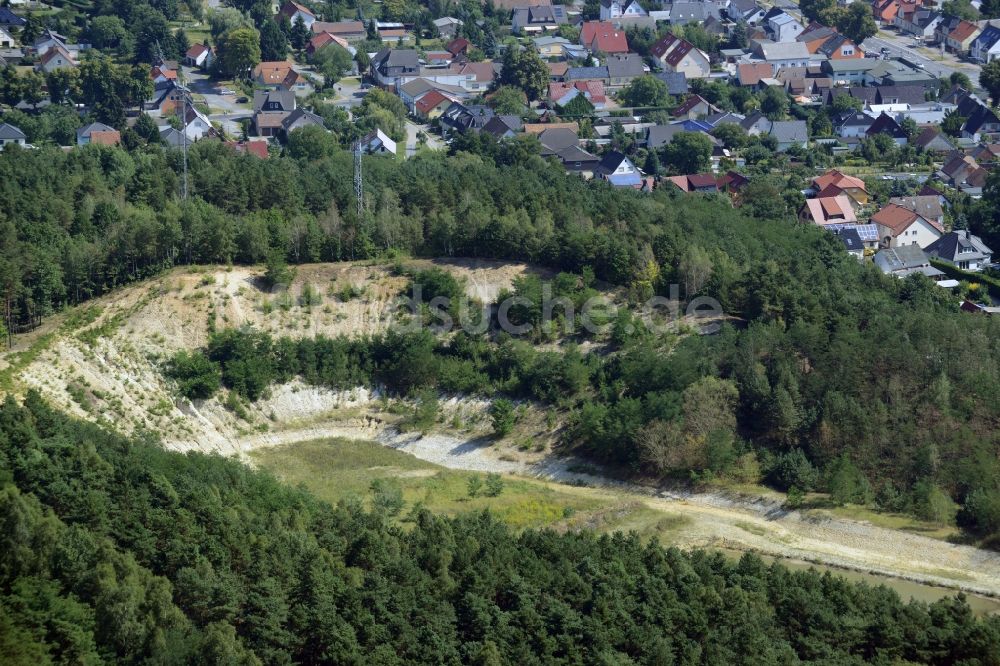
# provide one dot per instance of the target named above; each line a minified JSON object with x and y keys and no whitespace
{"x":412,"y":129}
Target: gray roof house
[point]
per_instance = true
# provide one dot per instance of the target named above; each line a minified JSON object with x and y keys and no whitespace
{"x":389,"y":65}
{"x":676,"y":82}
{"x":962,"y":249}
{"x":11,"y":134}
{"x":904,"y":260}
{"x":623,"y":68}
{"x":790,"y":133}
{"x":928,"y":206}
{"x":273,"y":100}
{"x":539,"y":18}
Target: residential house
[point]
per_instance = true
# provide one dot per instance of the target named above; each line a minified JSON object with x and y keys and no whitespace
{"x":173,"y":138}
{"x":756,"y":124}
{"x":682,"y":13}
{"x":905,"y":260}
{"x":894,"y":73}
{"x":9,"y":19}
{"x":161,"y":75}
{"x":781,"y":26}
{"x":458,"y":47}
{"x":829,"y":43}
{"x":933,"y":140}
{"x":431,"y":105}
{"x":256,"y":148}
{"x":886,"y":124}
{"x":7,"y":40}
{"x":782,"y":54}
{"x":196,"y":124}
{"x":964,"y":173}
{"x":853,"y":125}
{"x":414,"y":90}
{"x":587,"y":74}
{"x":619,"y":170}
{"x":678,"y":55}
{"x":11,"y":135}
{"x":199,"y":56}
{"x":852,"y":241}
{"x":694,"y":107}
{"x":676,"y":82}
{"x":851,"y":70}
{"x":705,"y":183}
{"x":749,"y":74}
{"x":928,"y":206}
{"x":577,"y":160}
{"x":957,"y":34}
{"x":56,"y":57}
{"x":378,"y":143}
{"x":551,"y":47}
{"x":298,"y":119}
{"x":658,"y":136}
{"x":270,"y":123}
{"x":835,"y":182}
{"x":980,"y":118}
{"x":389,"y":67}
{"x":538,"y":18}
{"x":323,"y":39}
{"x":167,"y":100}
{"x":447,"y":26}
{"x":603,"y":37}
{"x":293,"y":11}
{"x":502,"y":127}
{"x":901,"y":226}
{"x":985,"y":47}
{"x":821,"y":211}
{"x":886,"y":10}
{"x":98,"y":134}
{"x":268,"y":101}
{"x":394,"y":35}
{"x":471,"y":77}
{"x":962,"y":249}
{"x":789,"y":133}
{"x":612,"y":9}
{"x":623,"y":69}
{"x":562,"y":94}
{"x":460,"y":118}
{"x":280,"y":74}
{"x":747,"y":11}
{"x":352,"y":31}
{"x":918,"y":21}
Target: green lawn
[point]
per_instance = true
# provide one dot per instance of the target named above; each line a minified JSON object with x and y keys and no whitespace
{"x":335,"y":469}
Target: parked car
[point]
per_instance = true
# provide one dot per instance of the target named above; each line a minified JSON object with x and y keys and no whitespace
{"x":242,"y":100}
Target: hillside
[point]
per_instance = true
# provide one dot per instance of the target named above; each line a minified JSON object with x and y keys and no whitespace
{"x":102,"y":361}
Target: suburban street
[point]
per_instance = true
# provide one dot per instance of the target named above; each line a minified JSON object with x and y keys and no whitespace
{"x":903,"y":45}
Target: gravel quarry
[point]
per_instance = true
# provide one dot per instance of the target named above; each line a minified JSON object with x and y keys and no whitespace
{"x":106,"y":368}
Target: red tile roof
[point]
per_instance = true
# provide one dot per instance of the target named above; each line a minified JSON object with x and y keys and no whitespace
{"x":196,"y":50}
{"x":603,"y":36}
{"x":963,"y":31}
{"x":429,"y":101}
{"x":839,"y":179}
{"x":750,"y":74}
{"x":458,"y":46}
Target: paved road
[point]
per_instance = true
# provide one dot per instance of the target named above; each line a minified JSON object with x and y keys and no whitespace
{"x":903,"y":45}
{"x":411,"y":138}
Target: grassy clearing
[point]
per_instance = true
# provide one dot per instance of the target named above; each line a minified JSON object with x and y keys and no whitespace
{"x":896,"y":521}
{"x":335,"y":469}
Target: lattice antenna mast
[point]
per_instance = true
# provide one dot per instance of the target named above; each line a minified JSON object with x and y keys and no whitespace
{"x":359,"y":188}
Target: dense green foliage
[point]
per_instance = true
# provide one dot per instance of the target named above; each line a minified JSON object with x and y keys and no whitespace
{"x":118,"y":551}
{"x":833,"y":358}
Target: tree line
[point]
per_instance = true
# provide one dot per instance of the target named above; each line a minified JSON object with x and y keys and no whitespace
{"x":117,"y":551}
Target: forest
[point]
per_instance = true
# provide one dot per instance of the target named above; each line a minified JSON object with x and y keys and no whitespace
{"x":117,"y":551}
{"x":832,"y":374}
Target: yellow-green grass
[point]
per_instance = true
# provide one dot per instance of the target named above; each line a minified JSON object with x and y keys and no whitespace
{"x":896,"y":521}
{"x":339,"y":468}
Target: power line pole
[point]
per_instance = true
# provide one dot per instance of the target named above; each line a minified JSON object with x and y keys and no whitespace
{"x":358,"y":183}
